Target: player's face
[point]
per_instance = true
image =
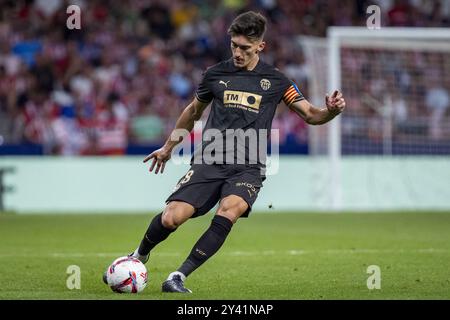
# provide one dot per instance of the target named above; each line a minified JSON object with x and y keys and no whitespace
{"x":245,"y":52}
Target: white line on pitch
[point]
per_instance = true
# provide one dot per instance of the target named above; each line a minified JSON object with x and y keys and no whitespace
{"x":292,"y":252}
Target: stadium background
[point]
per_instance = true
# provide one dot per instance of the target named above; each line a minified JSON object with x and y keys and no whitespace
{"x":93,"y":91}
{"x":80,"y":108}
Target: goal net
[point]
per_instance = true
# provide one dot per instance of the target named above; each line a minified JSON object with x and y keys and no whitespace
{"x":396,"y":82}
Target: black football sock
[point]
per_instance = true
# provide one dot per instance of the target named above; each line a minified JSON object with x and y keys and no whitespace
{"x":207,"y":245}
{"x":155,"y":234}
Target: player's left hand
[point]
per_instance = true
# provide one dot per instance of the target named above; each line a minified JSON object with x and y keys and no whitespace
{"x":336,"y":103}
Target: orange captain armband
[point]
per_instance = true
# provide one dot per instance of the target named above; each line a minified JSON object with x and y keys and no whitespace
{"x":292,"y":94}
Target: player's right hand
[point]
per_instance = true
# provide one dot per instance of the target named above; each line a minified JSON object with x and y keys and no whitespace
{"x":160,"y":157}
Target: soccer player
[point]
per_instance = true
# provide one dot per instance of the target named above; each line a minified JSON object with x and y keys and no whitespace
{"x":244,"y":92}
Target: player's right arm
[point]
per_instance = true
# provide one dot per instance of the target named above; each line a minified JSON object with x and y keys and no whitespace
{"x":184,"y":125}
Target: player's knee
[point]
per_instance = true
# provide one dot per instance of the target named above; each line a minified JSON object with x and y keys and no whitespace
{"x":232,"y":208}
{"x":175,"y":214}
{"x":169,"y":219}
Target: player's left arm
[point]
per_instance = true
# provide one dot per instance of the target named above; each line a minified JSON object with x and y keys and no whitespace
{"x":334,"y":105}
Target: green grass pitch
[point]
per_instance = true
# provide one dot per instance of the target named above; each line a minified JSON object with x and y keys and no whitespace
{"x":268,"y":256}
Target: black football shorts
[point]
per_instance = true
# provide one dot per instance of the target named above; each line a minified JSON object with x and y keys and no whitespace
{"x":204,"y":185}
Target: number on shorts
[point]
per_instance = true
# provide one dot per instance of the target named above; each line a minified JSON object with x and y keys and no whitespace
{"x":187,"y":177}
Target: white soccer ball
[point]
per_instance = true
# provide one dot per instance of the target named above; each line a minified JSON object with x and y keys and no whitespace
{"x":127,"y":275}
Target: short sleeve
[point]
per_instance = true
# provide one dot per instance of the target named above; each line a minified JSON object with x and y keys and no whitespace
{"x":203,"y":92}
{"x":292,"y":94}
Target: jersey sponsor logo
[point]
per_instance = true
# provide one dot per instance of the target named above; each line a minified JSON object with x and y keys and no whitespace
{"x":265,"y":84}
{"x":240,"y":99}
{"x":224,"y":83}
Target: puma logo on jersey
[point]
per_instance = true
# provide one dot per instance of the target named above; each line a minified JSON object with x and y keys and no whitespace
{"x":224,"y":83}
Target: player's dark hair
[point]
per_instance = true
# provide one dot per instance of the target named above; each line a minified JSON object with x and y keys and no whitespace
{"x":249,"y":24}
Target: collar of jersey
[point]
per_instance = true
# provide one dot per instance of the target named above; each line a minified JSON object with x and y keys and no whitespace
{"x":256,"y":69}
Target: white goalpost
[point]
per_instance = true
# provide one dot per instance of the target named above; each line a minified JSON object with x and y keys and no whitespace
{"x":396,"y":82}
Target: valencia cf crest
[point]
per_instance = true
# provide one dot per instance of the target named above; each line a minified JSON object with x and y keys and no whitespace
{"x":265,"y":84}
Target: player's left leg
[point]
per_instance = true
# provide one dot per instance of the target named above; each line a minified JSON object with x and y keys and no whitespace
{"x":230,"y":209}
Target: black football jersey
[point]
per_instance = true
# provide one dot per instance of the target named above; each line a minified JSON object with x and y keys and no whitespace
{"x":241,"y":99}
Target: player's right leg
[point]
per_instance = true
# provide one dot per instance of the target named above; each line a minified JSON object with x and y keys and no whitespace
{"x":201,"y":187}
{"x":195,"y":193}
{"x":161,"y":226}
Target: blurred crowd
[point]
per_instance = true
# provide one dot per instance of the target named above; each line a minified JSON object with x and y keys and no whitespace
{"x":124,"y":77}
